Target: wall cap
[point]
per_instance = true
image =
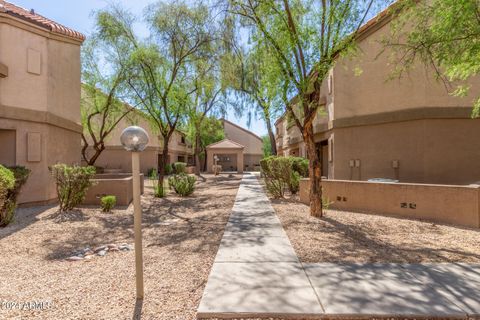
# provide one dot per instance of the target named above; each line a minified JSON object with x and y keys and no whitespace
{"x":411,"y":184}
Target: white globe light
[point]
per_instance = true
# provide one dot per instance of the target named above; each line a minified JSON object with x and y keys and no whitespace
{"x":134,"y":139}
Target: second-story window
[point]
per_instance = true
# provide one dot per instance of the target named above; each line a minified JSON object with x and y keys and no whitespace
{"x":183,"y":140}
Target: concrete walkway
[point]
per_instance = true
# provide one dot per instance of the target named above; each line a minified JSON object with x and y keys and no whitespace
{"x":256,"y":273}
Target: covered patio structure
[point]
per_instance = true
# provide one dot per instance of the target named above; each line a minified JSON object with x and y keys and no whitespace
{"x":229,"y":153}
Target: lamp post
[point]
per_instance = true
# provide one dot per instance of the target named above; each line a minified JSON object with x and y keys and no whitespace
{"x":135,"y":140}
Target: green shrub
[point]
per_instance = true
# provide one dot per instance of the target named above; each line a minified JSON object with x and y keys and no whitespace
{"x":152,"y":173}
{"x":282,"y":173}
{"x":277,"y":172}
{"x":159,"y":191}
{"x":7,"y":211}
{"x":300,"y":165}
{"x":326,"y":203}
{"x":108,"y":202}
{"x":72,"y":184}
{"x":7,"y":183}
{"x":179,"y":167}
{"x":294,"y":182}
{"x":182,"y":183}
{"x":168,"y":169}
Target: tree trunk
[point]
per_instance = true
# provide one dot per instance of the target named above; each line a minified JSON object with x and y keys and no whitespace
{"x":197,"y":152}
{"x":93,"y":159}
{"x":271,"y":135}
{"x":84,"y":149}
{"x":204,"y":161}
{"x":161,"y":174}
{"x":314,"y":171}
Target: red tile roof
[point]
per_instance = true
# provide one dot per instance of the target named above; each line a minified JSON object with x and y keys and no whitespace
{"x":41,"y":21}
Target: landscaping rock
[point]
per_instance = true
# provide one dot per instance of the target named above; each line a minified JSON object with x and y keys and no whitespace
{"x":102,"y":253}
{"x":125,"y":247}
{"x":87,"y":253}
{"x":99,"y":248}
{"x":74,"y":258}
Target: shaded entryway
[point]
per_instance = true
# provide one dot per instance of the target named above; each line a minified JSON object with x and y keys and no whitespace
{"x":229,"y":155}
{"x":8,"y":144}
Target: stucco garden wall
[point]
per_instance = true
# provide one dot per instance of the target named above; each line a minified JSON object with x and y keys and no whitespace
{"x":118,"y":185}
{"x":458,"y":205}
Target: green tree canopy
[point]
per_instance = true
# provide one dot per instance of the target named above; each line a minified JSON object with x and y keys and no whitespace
{"x":304,"y":39}
{"x":104,"y":86}
{"x":266,"y":147}
{"x":166,"y":62}
{"x":255,"y":86}
{"x":206,"y":132}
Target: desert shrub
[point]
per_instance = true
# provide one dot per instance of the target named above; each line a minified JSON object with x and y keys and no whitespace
{"x":294,"y":182}
{"x":182,"y":183}
{"x":168,"y":169}
{"x":7,"y":183}
{"x":283,"y":173}
{"x":326,"y":203}
{"x":108,"y":202}
{"x":179,"y":167}
{"x":159,"y":191}
{"x":277,"y":172}
{"x":72,"y":184}
{"x":300,"y":165}
{"x":152,"y":173}
{"x":7,"y":210}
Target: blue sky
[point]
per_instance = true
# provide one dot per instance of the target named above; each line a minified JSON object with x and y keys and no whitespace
{"x":76,"y":14}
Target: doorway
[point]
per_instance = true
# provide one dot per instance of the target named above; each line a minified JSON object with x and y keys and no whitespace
{"x":322,"y":151}
{"x":8,"y":141}
{"x":228,"y":162}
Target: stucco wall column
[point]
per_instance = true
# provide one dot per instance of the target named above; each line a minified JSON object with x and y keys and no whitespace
{"x":240,"y":161}
{"x":210,"y":161}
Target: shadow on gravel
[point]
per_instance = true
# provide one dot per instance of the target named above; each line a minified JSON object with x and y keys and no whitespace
{"x":23,"y":218}
{"x":195,"y":223}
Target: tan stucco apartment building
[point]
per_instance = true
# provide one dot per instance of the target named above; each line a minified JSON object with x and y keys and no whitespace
{"x":115,"y":158}
{"x":39,"y":97}
{"x":407,"y":129}
{"x":241,"y":150}
{"x":238,"y":140}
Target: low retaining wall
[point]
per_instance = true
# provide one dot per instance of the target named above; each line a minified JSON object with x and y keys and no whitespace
{"x":459,"y":205}
{"x":120,"y":185}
